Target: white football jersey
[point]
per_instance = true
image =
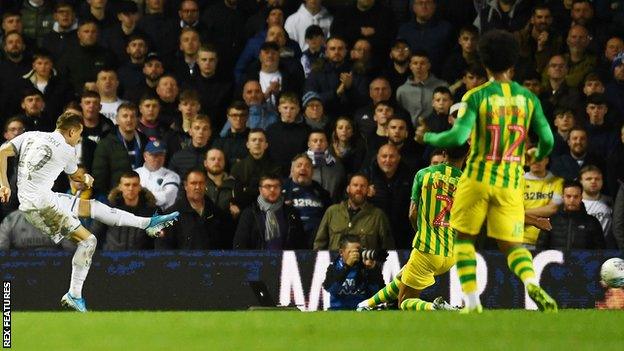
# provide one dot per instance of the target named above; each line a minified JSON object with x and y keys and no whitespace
{"x":602,"y":210}
{"x":41,"y":158}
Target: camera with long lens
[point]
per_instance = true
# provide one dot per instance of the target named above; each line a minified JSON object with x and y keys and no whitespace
{"x":379,"y":255}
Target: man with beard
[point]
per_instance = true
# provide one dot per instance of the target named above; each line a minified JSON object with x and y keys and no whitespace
{"x":538,"y":42}
{"x":153,"y":69}
{"x":354,"y":216}
{"x":223,"y":189}
{"x":569,"y":165}
{"x":14,"y":63}
{"x":412,"y":154}
{"x":306,"y":195}
{"x":398,"y":72}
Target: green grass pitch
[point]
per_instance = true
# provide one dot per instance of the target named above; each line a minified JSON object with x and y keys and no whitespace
{"x":291,"y":330}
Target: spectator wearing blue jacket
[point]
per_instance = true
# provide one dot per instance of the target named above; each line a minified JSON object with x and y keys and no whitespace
{"x":350,"y":280}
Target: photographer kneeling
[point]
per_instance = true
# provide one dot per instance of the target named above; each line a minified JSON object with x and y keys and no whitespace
{"x":354,"y":275}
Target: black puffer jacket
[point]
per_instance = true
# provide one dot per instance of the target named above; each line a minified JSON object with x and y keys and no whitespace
{"x":572,"y":230}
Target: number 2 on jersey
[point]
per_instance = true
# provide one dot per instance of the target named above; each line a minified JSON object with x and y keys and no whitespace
{"x":507,"y":155}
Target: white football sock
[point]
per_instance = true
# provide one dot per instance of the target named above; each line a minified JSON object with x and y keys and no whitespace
{"x":81,"y":263}
{"x":472,"y":300}
{"x":114,"y":216}
{"x":531,"y":281}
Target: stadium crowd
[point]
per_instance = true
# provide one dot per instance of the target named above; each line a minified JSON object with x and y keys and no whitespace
{"x":279,"y":124}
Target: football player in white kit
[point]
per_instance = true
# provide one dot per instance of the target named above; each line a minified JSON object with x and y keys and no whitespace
{"x":41,"y":158}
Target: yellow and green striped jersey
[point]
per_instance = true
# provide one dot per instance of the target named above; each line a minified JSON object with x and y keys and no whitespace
{"x":502,"y":114}
{"x":433,"y":190}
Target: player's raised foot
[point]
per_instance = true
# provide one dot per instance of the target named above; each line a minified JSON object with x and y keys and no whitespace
{"x":69,"y":301}
{"x":542,"y":299}
{"x":158,"y":223}
{"x":441,"y":305}
{"x":473,"y":310}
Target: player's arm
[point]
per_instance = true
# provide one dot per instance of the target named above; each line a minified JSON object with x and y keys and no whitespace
{"x":413,"y":209}
{"x":413,"y":215}
{"x":455,"y":136}
{"x":541,"y":223}
{"x":6,"y":150}
{"x":543,"y":211}
{"x":540,"y":125}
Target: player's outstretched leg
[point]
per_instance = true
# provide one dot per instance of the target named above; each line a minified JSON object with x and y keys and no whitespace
{"x":389,"y":293}
{"x":81,"y":262}
{"x":466,"y":263}
{"x":520,"y":262}
{"x":416,"y":304}
{"x":116,"y":217}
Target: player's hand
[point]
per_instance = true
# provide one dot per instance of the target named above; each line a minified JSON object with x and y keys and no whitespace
{"x":88,"y":180}
{"x":419,"y":135}
{"x":5,"y":194}
{"x":543,"y":223}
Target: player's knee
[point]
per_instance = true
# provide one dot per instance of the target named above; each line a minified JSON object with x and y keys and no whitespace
{"x":85,"y":251}
{"x":506,"y":246}
{"x":90,"y":242}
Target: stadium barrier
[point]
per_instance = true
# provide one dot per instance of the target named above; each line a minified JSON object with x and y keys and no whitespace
{"x":217,"y":280}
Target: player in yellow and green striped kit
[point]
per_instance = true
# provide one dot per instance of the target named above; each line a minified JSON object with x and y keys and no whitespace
{"x":432,"y":197}
{"x":497,"y":116}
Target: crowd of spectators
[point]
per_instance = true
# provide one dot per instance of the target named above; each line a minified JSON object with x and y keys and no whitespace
{"x":284,"y":124}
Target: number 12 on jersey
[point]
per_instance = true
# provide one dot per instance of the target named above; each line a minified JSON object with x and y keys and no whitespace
{"x":497,"y":151}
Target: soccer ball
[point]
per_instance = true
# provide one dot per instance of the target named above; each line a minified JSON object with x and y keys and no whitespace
{"x":612,"y":273}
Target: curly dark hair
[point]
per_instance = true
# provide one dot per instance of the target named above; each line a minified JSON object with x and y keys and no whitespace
{"x":498,"y":50}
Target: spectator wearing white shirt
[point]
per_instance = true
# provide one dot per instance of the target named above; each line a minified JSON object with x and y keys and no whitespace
{"x":311,"y":12}
{"x":160,"y":181}
{"x":596,"y":203}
